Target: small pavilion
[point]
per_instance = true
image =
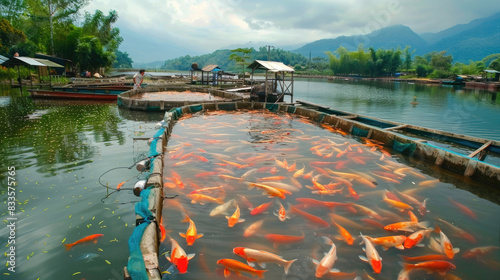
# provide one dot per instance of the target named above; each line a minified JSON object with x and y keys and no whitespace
{"x":275,"y":86}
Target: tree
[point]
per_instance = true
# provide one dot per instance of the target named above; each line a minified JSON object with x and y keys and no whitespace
{"x":407,"y":55}
{"x":441,"y":61}
{"x":495,"y":64}
{"x":240,"y":56}
{"x":122,"y":60}
{"x":101,"y":26}
{"x":91,"y":55}
{"x":9,"y":36}
{"x":54,"y":11}
{"x":11,"y":10}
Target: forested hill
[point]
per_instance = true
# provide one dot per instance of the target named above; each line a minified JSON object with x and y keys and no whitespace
{"x":471,"y":41}
{"x":221,"y":58}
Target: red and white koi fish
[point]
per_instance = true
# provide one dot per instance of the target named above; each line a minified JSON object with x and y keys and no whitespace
{"x":221,"y":209}
{"x":261,"y":257}
{"x":326,"y":264}
{"x":372,"y":256}
{"x":282,"y":216}
{"x":415,"y":238}
{"x":422,"y":208}
{"x":239,"y":267}
{"x":445,"y":246}
{"x":387,"y":242}
{"x":178,"y":257}
{"x":92,"y":238}
{"x":408,"y":226}
{"x":191,"y":234}
{"x":235,"y":218}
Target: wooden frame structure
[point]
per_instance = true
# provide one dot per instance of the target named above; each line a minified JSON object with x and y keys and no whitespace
{"x":278,"y":85}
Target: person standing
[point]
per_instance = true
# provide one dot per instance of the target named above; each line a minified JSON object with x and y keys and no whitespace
{"x":138,"y":78}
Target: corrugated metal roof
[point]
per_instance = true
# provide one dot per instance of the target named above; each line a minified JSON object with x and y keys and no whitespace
{"x":273,"y":66}
{"x":29,"y":61}
{"x":210,"y":67}
{"x":48,"y":63}
{"x":3,"y":59}
{"x":491,"y":71}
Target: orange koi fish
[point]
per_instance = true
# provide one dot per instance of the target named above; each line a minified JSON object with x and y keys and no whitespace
{"x":120,"y":185}
{"x":429,"y":183}
{"x":299,"y":172}
{"x":292,"y":167}
{"x":235,"y":218}
{"x":328,"y":204}
{"x":178,"y":257}
{"x":346,"y":236}
{"x":208,"y":189}
{"x":308,"y":176}
{"x":238,"y":267}
{"x":372,"y":223}
{"x":163,"y":231}
{"x":283,"y":239}
{"x":202,"y":199}
{"x":261,"y":256}
{"x":328,"y":192}
{"x":396,"y":204}
{"x":389,"y":241}
{"x":479,"y":252}
{"x":415,"y":238}
{"x":440,"y":267}
{"x":272,"y":178}
{"x":408,"y":226}
{"x":191,"y":234}
{"x":206,"y":174}
{"x":458,"y":232}
{"x":253,"y":228}
{"x":261,"y":208}
{"x":327,"y":262}
{"x":367,"y":211}
{"x":464,"y":209}
{"x":273,"y":192}
{"x":310,"y":217}
{"x":425,"y":258}
{"x":92,"y":238}
{"x":372,"y":256}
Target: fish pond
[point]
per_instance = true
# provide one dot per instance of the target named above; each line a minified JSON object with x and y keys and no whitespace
{"x":63,"y":151}
{"x":230,"y":173}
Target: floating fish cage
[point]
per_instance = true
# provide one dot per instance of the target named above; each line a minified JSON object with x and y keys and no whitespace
{"x":292,"y":182}
{"x":158,"y":98}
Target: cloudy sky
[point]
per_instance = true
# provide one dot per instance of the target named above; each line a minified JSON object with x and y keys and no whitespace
{"x":161,"y":29}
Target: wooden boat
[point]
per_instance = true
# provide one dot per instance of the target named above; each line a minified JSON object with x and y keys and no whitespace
{"x":97,"y":93}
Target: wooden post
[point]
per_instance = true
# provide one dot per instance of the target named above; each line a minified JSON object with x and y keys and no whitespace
{"x":265,"y":89}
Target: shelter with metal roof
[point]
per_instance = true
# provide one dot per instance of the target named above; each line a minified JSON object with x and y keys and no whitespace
{"x":212,"y":73}
{"x":492,"y":75}
{"x":43,"y":65}
{"x":278,"y":86}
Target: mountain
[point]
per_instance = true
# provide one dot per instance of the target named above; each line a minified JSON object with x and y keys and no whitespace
{"x":471,"y":41}
{"x":386,"y":38}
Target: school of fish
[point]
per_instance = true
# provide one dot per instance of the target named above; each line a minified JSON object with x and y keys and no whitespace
{"x":260,"y":185}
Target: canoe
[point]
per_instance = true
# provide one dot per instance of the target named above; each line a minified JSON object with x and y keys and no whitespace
{"x":86,"y":94}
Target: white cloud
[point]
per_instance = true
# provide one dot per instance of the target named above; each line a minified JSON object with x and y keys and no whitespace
{"x":207,"y":25}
